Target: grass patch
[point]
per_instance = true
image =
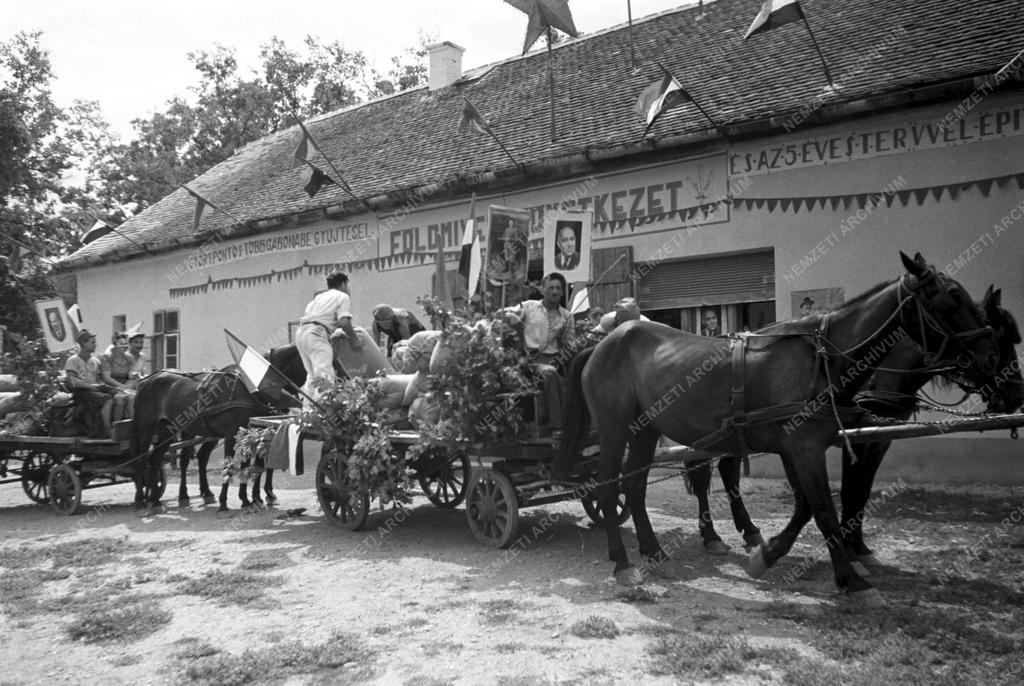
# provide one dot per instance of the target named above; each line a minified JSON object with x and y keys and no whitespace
{"x":500,"y":611}
{"x":122,"y":624}
{"x":512,"y":647}
{"x":635,"y":594}
{"x":326,"y":662}
{"x":229,"y":588}
{"x":194,"y":648}
{"x":713,"y":656}
{"x":595,"y":627}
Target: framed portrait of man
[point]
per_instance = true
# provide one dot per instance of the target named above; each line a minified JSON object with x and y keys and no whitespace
{"x":567,"y":235}
{"x":56,"y":325}
{"x":508,"y":236}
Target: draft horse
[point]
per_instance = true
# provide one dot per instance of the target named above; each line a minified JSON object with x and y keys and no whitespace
{"x":892,"y":393}
{"x":646,"y":380}
{"x":171,"y":405}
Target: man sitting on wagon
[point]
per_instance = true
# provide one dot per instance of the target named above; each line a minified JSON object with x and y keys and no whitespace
{"x":82,"y":372}
{"x":548,"y":336}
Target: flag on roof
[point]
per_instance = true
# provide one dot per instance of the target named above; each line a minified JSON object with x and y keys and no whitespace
{"x":258,"y":374}
{"x":661,"y":95}
{"x":470,"y":261}
{"x":301,"y":154}
{"x":775,"y":13}
{"x":544,"y":14}
{"x":317,"y":180}
{"x":201,"y":205}
{"x":472,"y":121}
{"x":99,"y":229}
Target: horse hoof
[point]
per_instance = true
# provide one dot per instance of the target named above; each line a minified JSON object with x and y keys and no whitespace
{"x":184,"y":502}
{"x":630,"y":576}
{"x":860,"y":568}
{"x":756,"y":566}
{"x":755,"y":541}
{"x":870,"y":560}
{"x":225,"y":513}
{"x":867,"y":598}
{"x":271,"y":500}
{"x":209,"y":499}
{"x":156,"y":509}
{"x":716,"y":547}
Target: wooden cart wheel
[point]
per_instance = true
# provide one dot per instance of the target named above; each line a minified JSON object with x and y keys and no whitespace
{"x":35,"y":471}
{"x":342,"y":502}
{"x":594,"y":511}
{"x":492,"y":508}
{"x":446,"y":485}
{"x":65,"y":488}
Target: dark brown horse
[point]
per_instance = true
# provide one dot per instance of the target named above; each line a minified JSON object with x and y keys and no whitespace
{"x":778,"y":391}
{"x":892,"y":393}
{"x":173,"y":405}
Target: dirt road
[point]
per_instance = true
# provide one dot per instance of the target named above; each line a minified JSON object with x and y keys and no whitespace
{"x":187,"y":597}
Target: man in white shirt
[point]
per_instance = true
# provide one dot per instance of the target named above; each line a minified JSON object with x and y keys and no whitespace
{"x":548,"y":335}
{"x":327,"y":316}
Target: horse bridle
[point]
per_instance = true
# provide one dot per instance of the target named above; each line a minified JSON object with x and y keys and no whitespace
{"x":926,"y":317}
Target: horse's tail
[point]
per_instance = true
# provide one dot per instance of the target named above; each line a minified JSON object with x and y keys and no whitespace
{"x":576,"y":417}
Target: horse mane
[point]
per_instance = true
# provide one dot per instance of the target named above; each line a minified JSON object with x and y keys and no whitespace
{"x":1009,"y":326}
{"x":874,"y":290}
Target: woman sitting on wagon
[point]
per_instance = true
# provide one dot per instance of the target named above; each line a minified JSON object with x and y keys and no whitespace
{"x":116,"y":367}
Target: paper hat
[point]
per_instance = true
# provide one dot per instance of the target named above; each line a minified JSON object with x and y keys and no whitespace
{"x":135,"y":331}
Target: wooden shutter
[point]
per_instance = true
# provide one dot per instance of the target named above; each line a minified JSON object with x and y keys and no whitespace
{"x":747,"y":277}
{"x":611,"y":268}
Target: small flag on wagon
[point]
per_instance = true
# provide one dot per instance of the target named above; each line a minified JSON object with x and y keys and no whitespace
{"x":286,"y":449}
{"x":470,"y":261}
{"x":580,"y":301}
{"x":258,"y":374}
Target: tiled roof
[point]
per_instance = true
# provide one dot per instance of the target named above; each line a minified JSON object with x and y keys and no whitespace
{"x":410,"y":140}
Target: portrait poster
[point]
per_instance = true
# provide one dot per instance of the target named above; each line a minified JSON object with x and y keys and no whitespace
{"x":56,"y":325}
{"x":508,"y":234}
{"x":815,"y":301}
{"x":567,"y":235}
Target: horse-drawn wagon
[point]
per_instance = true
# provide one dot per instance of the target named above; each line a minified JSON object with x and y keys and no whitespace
{"x":56,"y":469}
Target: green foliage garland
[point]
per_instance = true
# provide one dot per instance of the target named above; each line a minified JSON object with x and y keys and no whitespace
{"x":252,"y":446}
{"x":39,"y":373}
{"x":352,"y":422}
{"x":477,"y":394}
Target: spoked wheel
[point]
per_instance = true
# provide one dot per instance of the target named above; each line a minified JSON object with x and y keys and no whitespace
{"x":35,"y":471}
{"x":342,"y":502}
{"x":594,"y":510}
{"x":492,"y":508}
{"x":65,"y":489}
{"x":445,"y":486}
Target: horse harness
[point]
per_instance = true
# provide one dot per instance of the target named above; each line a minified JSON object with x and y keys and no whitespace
{"x":207,"y":390}
{"x":741,"y":419}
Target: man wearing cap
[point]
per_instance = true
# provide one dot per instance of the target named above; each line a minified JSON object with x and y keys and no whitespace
{"x":82,"y":372}
{"x":398,"y":323}
{"x":327,"y":316}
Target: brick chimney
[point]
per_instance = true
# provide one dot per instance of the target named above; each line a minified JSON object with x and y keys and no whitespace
{"x":445,"y":64}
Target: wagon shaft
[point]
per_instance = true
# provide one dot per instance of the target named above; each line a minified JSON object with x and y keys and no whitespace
{"x":874,"y":434}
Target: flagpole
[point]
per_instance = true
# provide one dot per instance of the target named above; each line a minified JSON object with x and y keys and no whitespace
{"x":817,"y":49}
{"x":211,"y":204}
{"x":341,"y":179}
{"x":497,"y":140}
{"x":281,"y":374}
{"x":632,"y":54}
{"x":111,"y":228}
{"x":551,"y":84}
{"x":708,"y":116}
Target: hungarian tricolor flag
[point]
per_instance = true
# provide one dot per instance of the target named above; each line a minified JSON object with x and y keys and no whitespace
{"x":201,"y":205}
{"x":775,"y":13}
{"x":301,"y":154}
{"x":258,"y":374}
{"x":469,"y":258}
{"x":661,"y":95}
{"x":472,"y":121}
{"x":317,"y":180}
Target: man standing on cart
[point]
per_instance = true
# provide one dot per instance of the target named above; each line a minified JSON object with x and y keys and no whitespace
{"x":327,"y":316}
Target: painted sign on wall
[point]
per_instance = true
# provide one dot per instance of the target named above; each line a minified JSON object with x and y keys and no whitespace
{"x":922,"y":134}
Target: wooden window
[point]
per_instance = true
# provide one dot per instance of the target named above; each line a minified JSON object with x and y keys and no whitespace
{"x":165,"y":347}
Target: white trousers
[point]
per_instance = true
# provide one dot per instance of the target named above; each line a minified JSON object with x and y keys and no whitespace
{"x":317,"y":357}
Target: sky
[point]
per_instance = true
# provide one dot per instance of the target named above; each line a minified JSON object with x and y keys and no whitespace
{"x":132,"y":55}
